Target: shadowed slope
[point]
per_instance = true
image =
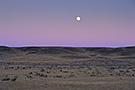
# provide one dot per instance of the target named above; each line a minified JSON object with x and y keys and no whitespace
{"x":69,"y":50}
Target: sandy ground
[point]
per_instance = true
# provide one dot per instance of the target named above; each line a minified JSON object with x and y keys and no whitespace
{"x":67,"y":68}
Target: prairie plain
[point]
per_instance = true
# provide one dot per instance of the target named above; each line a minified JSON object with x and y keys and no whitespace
{"x":67,"y":68}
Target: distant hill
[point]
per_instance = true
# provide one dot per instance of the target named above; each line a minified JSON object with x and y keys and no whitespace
{"x":69,"y":50}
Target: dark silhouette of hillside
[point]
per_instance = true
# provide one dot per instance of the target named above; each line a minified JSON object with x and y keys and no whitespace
{"x":69,"y":50}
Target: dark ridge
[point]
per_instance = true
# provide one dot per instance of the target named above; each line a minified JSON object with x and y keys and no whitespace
{"x":109,"y":51}
{"x":53,"y":50}
{"x":100,"y":50}
{"x":4,"y":48}
{"x":96,"y":49}
{"x":44,"y":50}
{"x":131,"y":47}
{"x":106,"y":51}
{"x":117,"y":50}
{"x":127,"y":51}
{"x":127,"y":48}
{"x":74,"y":49}
{"x":58,"y":50}
{"x":24,"y":49}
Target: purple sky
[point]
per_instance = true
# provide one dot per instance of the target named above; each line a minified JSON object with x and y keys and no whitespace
{"x":52,"y":23}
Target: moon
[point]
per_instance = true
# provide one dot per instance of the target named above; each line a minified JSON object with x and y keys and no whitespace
{"x":78,"y":18}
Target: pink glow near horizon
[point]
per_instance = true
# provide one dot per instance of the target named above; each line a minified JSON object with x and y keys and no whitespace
{"x":27,"y":27}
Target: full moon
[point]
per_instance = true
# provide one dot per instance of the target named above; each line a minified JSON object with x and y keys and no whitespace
{"x":78,"y":18}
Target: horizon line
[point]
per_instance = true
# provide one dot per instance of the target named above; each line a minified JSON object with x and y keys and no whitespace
{"x":68,"y":46}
